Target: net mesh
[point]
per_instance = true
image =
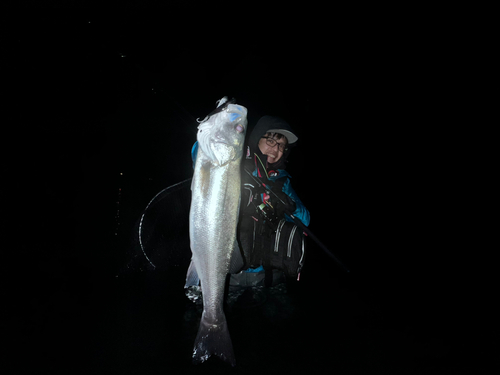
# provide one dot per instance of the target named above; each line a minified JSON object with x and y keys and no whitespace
{"x":160,"y":239}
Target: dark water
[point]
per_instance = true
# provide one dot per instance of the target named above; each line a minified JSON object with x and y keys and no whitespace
{"x":142,"y":323}
{"x":406,"y":307}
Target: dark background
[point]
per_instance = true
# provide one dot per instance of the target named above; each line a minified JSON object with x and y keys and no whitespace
{"x":101,"y":103}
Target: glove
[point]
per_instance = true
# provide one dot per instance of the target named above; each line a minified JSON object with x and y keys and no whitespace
{"x":289,"y":205}
{"x":279,"y":208}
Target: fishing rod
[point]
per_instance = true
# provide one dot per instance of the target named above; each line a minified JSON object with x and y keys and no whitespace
{"x":300,"y":224}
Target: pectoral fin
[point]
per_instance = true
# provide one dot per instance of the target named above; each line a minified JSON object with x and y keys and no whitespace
{"x":223,"y":153}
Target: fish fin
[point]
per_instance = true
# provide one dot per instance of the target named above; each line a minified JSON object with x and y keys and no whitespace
{"x":223,"y":153}
{"x":213,"y":339}
{"x":237,"y":261}
{"x":192,"y":278}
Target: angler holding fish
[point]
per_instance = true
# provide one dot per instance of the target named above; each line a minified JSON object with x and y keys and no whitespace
{"x":260,"y":243}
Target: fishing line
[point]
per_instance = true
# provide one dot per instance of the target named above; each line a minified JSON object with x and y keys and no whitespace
{"x":257,"y":156}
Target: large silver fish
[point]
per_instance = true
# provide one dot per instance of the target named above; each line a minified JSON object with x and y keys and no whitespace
{"x":213,"y":219}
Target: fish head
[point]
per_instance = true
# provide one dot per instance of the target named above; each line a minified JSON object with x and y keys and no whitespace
{"x":222,"y":136}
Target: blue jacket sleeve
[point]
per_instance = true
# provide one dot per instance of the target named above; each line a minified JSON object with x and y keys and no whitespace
{"x":301,"y":212}
{"x":194,"y":153}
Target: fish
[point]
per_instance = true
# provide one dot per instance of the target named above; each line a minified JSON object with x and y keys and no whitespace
{"x":213,"y":219}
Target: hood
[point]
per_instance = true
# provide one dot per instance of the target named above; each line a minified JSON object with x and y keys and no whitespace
{"x":276,"y":125}
{"x":268,"y":123}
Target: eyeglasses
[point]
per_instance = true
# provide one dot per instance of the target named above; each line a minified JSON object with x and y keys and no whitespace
{"x":272,"y":142}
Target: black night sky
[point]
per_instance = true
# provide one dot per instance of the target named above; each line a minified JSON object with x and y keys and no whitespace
{"x":101,"y":115}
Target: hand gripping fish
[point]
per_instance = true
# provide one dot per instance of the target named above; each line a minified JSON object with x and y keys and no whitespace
{"x":213,"y":219}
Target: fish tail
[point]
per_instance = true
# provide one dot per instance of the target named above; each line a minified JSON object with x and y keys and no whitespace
{"x":213,"y":339}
